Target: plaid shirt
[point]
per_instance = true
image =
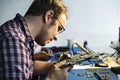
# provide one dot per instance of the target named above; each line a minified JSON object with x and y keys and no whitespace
{"x":16,"y":50}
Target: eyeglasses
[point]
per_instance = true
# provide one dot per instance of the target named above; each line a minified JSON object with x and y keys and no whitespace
{"x":60,"y":28}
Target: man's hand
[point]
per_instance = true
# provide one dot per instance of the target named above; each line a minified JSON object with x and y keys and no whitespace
{"x":65,"y":56}
{"x":43,"y":55}
{"x":57,"y":73}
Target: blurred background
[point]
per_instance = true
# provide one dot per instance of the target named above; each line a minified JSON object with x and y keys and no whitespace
{"x":94,"y":21}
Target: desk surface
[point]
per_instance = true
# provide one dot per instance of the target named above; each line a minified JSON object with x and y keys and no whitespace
{"x":87,"y":71}
{"x":90,"y":74}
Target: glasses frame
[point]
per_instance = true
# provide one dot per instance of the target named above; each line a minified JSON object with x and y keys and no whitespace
{"x":62,"y":27}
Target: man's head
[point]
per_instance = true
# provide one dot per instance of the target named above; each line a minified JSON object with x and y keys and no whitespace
{"x":40,"y":7}
{"x":53,"y":15}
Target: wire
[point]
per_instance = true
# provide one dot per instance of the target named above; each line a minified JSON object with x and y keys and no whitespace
{"x":73,"y":48}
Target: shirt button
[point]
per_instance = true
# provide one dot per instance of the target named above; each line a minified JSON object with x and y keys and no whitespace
{"x":32,"y":44}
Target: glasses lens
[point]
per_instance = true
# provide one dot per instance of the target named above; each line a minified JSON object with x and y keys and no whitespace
{"x":61,"y":27}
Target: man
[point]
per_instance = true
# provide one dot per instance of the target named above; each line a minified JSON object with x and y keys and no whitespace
{"x":42,"y":23}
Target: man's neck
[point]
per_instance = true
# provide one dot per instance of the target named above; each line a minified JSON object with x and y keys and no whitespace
{"x":33,"y":24}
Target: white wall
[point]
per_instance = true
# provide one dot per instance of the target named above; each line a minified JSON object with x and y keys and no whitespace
{"x":96,"y":21}
{"x":9,"y":8}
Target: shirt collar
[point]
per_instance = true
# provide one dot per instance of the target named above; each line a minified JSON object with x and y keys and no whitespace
{"x":21,"y":20}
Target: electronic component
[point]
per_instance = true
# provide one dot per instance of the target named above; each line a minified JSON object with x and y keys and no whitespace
{"x":102,"y":77}
{"x":116,"y":69}
{"x":92,"y":74}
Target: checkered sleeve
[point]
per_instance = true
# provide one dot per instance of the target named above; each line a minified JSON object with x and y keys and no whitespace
{"x":15,"y":59}
{"x":16,"y":50}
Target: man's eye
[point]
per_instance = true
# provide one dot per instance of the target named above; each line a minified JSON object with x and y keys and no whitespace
{"x":59,"y":28}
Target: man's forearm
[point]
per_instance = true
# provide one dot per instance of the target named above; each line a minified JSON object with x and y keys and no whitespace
{"x":42,"y":67}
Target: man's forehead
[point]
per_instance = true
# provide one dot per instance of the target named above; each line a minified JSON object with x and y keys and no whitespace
{"x":63,"y":18}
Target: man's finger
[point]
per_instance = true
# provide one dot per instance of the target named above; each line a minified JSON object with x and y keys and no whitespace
{"x":60,"y":64}
{"x":47,"y":54}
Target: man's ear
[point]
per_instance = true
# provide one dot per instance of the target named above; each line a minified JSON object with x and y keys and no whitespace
{"x":48,"y":15}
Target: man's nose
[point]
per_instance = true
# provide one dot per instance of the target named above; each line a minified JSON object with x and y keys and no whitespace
{"x":56,"y":37}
